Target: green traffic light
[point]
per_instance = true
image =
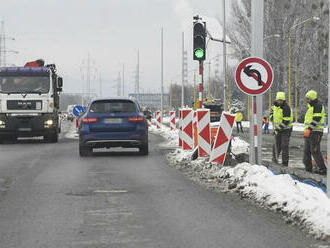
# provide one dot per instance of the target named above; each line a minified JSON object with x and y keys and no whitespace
{"x":199,"y":53}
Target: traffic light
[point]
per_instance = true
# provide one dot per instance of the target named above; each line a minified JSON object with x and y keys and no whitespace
{"x":199,"y":51}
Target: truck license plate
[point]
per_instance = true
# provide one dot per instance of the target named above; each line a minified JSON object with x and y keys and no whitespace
{"x":113,"y":121}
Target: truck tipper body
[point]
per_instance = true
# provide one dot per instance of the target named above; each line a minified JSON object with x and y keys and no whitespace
{"x":216,"y":109}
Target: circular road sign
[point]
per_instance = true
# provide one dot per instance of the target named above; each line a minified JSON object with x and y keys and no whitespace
{"x":77,"y":110}
{"x":254,"y":76}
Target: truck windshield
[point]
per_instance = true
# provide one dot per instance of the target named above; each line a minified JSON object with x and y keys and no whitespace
{"x":14,"y":84}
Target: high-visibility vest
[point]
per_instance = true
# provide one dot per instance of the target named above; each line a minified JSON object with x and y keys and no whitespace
{"x":265,"y":121}
{"x":239,"y":117}
{"x":278,"y":118}
{"x":309,"y":119}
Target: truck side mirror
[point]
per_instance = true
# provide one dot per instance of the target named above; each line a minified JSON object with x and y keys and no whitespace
{"x":60,"y":82}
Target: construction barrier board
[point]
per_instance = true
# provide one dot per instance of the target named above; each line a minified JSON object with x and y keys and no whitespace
{"x":222,"y":139}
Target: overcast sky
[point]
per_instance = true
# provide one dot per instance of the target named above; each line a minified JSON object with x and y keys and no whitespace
{"x":64,"y":32}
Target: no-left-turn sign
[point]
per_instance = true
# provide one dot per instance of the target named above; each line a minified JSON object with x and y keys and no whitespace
{"x":254,"y":76}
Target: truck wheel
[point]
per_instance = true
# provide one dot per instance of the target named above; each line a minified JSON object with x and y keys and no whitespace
{"x":144,"y":149}
{"x":85,"y":151}
{"x":55,"y":138}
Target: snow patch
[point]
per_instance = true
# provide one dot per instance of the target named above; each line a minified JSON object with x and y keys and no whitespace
{"x":301,"y":204}
{"x":71,"y":132}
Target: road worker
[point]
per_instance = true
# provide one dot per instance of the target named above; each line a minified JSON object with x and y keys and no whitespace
{"x":314,"y":125}
{"x":265,"y":124}
{"x":282,"y":117}
{"x":238,"y":119}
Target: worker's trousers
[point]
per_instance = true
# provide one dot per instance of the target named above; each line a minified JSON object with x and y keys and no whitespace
{"x":282,"y":140}
{"x":312,"y":148}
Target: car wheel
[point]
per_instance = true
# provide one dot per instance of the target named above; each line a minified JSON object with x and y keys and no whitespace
{"x":85,"y":151}
{"x":144,"y":149}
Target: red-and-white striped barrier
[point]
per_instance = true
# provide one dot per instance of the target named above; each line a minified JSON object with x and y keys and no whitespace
{"x":204,"y":132}
{"x":222,"y":138}
{"x":195,"y":131}
{"x":180,"y":127}
{"x":172,"y":120}
{"x":158,"y":119}
{"x":187,"y":129}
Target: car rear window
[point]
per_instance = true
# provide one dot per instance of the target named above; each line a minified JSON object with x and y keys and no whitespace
{"x":113,"y":106}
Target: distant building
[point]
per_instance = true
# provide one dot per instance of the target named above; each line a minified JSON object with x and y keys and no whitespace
{"x":152,"y":100}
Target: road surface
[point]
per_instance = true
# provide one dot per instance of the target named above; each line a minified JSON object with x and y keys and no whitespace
{"x":50,"y":197}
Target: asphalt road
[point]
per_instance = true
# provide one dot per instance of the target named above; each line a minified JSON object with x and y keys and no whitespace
{"x":50,"y":197}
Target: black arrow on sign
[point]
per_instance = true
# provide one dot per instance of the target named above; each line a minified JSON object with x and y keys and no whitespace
{"x":251,"y":73}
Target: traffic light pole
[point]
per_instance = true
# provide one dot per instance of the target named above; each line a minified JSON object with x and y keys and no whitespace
{"x":201,"y":83}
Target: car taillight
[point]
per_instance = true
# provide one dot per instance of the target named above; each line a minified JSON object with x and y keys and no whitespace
{"x":136,"y":119}
{"x":89,"y":120}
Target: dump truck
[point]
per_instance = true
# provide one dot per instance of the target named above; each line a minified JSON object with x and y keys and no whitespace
{"x":29,"y":101}
{"x":215,"y":107}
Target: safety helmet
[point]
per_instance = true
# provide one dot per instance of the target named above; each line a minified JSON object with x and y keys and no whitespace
{"x":280,"y":96}
{"x":311,"y":94}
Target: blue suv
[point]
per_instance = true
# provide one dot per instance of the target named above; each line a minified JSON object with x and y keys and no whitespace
{"x":113,"y":122}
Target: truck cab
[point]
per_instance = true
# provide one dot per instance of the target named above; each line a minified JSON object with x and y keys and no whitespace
{"x":215,"y":107}
{"x":29,"y":102}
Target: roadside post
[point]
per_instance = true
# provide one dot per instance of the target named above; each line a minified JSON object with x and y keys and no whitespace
{"x":180,"y":127}
{"x":222,"y":139}
{"x":257,"y":47}
{"x":187,"y":129}
{"x":172,"y":120}
{"x":158,"y":119}
{"x":257,"y":32}
{"x":203,"y":132}
{"x":254,"y":76}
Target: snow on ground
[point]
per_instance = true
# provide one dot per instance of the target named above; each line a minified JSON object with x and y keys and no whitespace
{"x":239,"y":146}
{"x":298,"y":127}
{"x":167,"y":119}
{"x":170,"y":136}
{"x":301,"y":204}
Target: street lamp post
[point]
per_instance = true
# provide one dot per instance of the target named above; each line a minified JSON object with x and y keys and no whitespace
{"x":315,"y":18}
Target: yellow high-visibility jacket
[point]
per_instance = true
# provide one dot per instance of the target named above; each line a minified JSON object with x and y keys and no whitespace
{"x":239,"y":117}
{"x":314,"y":117}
